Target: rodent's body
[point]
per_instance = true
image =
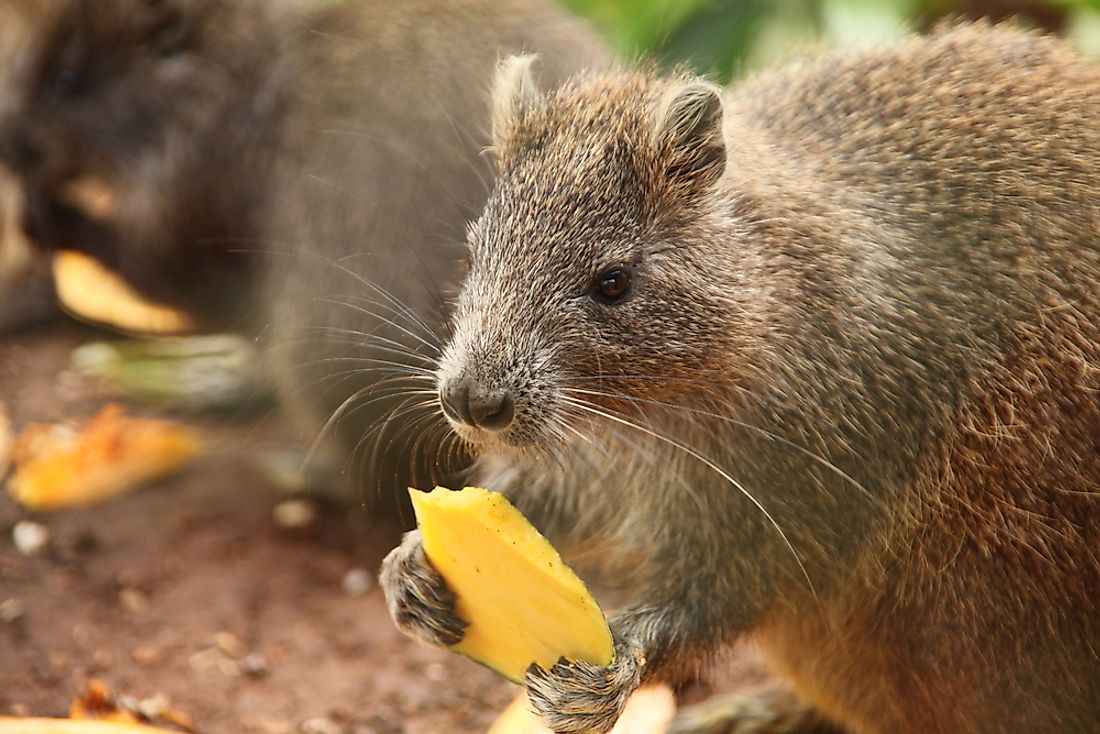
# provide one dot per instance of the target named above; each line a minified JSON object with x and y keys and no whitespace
{"x":26,"y":290}
{"x":864,"y":290}
{"x":256,"y":154}
{"x":954,"y":338}
{"x":388,"y":169}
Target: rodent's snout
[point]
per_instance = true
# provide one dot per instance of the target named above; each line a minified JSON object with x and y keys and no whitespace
{"x":464,"y":400}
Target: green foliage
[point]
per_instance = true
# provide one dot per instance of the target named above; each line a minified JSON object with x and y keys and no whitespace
{"x":727,"y":37}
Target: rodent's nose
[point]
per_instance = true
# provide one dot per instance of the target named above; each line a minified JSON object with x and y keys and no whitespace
{"x":465,"y":401}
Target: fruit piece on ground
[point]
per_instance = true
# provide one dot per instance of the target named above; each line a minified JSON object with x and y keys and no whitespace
{"x":66,"y":465}
{"x":648,"y":711}
{"x":32,"y":725}
{"x":522,"y":603}
{"x":89,"y":291}
{"x":210,"y":372}
{"x":7,"y":441}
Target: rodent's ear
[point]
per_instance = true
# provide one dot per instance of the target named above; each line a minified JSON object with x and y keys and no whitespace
{"x":688,"y":138}
{"x":515,"y":96}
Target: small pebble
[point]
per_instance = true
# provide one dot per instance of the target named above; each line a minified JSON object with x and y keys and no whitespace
{"x":11,"y":610}
{"x":30,"y":537}
{"x":230,"y":644}
{"x":133,"y":600}
{"x":254,"y":664}
{"x":294,"y":514}
{"x":146,"y":655}
{"x":357,"y":581}
{"x":153,"y":707}
{"x":321,"y":725}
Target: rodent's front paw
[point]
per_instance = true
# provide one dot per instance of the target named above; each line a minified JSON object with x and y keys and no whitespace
{"x":580,"y":698}
{"x":419,"y":600}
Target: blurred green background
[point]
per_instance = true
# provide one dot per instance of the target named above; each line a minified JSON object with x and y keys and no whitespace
{"x":725,"y":38}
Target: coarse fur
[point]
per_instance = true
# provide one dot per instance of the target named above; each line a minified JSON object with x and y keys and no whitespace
{"x":143,"y":100}
{"x":26,"y":289}
{"x":301,"y":170}
{"x":850,"y":406}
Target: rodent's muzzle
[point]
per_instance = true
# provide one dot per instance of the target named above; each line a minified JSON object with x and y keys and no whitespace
{"x":466,"y":401}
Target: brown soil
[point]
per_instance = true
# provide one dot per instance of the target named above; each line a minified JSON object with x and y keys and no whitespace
{"x":191,"y":591}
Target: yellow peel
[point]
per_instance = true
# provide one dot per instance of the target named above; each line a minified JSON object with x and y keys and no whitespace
{"x":522,"y":603}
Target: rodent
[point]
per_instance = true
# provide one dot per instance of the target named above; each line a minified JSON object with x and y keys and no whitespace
{"x":251,"y":161}
{"x":26,"y":290}
{"x":817,"y":361}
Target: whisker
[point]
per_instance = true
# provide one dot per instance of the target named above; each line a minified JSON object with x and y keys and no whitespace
{"x":368,"y":339}
{"x":706,"y":462}
{"x":740,"y":424}
{"x":339,"y":302}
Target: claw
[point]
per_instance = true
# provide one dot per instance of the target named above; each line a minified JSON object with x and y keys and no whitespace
{"x":575,"y":697}
{"x":419,"y":600}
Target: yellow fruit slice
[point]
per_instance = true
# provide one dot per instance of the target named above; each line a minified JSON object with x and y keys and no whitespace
{"x":91,"y":292}
{"x":7,"y":441}
{"x":65,"y":465}
{"x":522,"y":603}
{"x":648,"y":711}
{"x":21,"y":725}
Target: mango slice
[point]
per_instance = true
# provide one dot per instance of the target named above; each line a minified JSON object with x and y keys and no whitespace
{"x":7,"y":441}
{"x":522,"y":603}
{"x":11,"y":725}
{"x":648,"y":711}
{"x":91,"y":292}
{"x":68,"y":465}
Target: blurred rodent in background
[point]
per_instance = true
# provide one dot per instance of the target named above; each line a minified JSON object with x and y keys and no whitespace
{"x":300,"y":170}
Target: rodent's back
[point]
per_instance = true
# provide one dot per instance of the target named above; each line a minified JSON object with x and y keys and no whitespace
{"x":974,"y":301}
{"x":974,"y":140}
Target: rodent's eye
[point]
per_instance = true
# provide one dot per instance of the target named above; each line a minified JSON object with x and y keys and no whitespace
{"x":67,"y":81}
{"x":612,"y":285}
{"x":68,"y":76}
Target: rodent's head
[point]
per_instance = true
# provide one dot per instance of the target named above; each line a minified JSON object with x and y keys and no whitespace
{"x":593,"y":272}
{"x":119,"y":118}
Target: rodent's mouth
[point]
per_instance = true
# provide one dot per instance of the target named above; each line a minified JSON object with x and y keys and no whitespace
{"x":519,"y":437}
{"x":481,"y":440}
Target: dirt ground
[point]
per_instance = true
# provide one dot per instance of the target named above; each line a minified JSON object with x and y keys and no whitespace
{"x":190,"y":591}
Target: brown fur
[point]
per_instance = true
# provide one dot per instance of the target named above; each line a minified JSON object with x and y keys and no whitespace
{"x":871,"y":302}
{"x":273,"y":164}
{"x":26,"y":290}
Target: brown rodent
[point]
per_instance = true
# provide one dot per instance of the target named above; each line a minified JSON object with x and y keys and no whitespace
{"x":26,"y":290}
{"x":251,"y":160}
{"x":819,"y":361}
{"x":170,"y":111}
